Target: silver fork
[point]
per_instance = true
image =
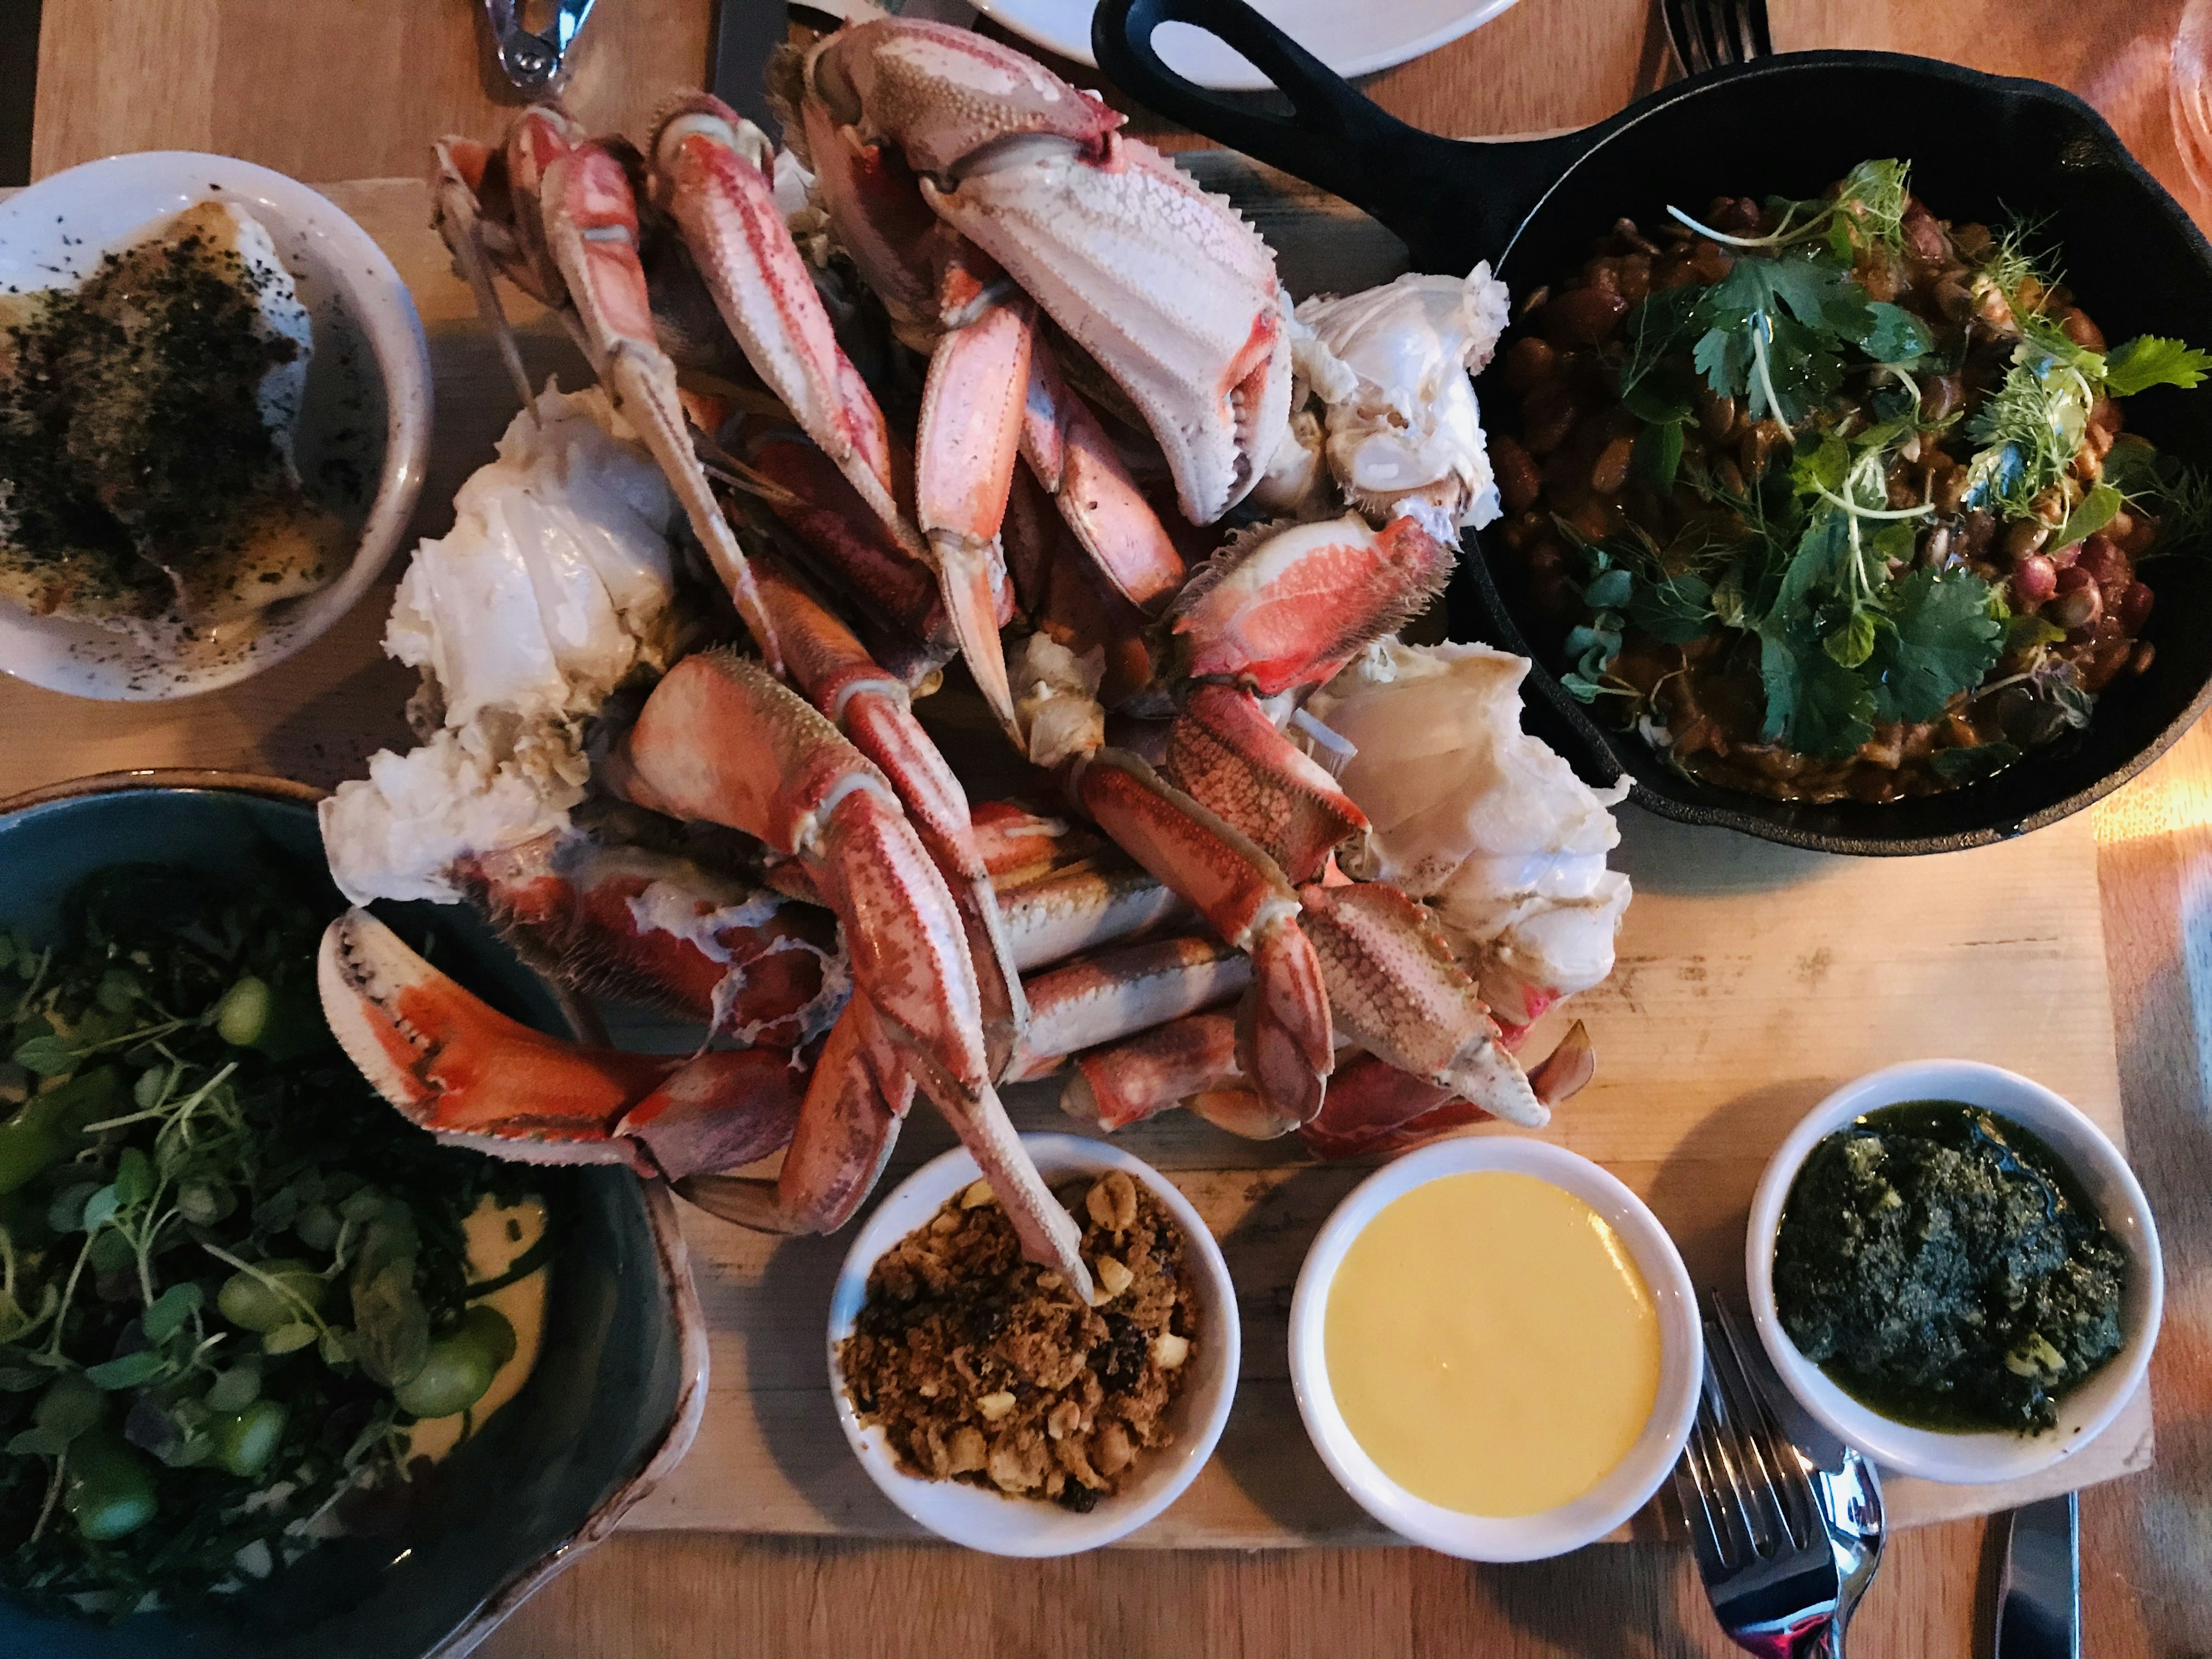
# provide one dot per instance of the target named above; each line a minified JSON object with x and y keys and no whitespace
{"x":1754,"y":1523}
{"x":1708,"y":34}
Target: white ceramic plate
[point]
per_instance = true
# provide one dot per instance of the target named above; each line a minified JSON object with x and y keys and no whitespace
{"x":1350,"y":38}
{"x":367,"y":414}
{"x":981,"y":1519}
{"x":1970,"y":1459}
{"x":1623,"y":1492}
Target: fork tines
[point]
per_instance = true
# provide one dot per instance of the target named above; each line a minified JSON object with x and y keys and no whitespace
{"x":1748,"y":1500}
{"x":1707,"y":33}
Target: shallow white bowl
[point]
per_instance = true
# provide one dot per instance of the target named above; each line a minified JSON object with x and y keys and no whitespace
{"x":1933,"y":1454}
{"x":1351,"y":39}
{"x":982,"y":1519}
{"x":1633,"y":1481}
{"x":368,"y":403}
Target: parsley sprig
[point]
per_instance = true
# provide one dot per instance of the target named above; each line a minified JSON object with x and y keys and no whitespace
{"x":1807,"y":566}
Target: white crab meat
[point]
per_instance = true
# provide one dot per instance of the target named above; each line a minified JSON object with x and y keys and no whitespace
{"x":554,"y":586}
{"x":1399,"y":431}
{"x":555,"y":581}
{"x":1471,"y":813}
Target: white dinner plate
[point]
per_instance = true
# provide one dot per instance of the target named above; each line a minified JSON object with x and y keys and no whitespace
{"x":1350,"y":37}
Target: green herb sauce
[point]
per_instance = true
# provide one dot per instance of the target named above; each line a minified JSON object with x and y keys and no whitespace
{"x":1943,"y":1267}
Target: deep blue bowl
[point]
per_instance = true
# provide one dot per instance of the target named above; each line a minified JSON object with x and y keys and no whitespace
{"x":617,"y":1394}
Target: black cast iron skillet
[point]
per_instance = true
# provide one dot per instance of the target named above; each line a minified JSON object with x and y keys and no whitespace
{"x":1981,"y":147}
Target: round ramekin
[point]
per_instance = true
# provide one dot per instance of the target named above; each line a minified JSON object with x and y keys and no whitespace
{"x":1970,"y":1459}
{"x":369,"y":350}
{"x":1631,"y":1483}
{"x":986,"y":1520}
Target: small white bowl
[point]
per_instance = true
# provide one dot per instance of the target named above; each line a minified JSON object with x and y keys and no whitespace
{"x":986,"y":1520}
{"x":1630,"y":1484}
{"x":1933,"y":1454}
{"x":368,"y":351}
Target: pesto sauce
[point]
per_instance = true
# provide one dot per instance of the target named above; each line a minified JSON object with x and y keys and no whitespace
{"x":1943,"y":1267}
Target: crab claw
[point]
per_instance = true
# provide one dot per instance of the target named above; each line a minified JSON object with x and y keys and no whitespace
{"x":1393,"y":985}
{"x":1281,"y":607}
{"x":836,"y":674}
{"x":722,"y":739}
{"x":473,"y":1077}
{"x":845,"y":1133}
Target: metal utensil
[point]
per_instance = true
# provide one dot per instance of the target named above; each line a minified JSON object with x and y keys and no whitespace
{"x":1754,"y":1520}
{"x":2039,"y":1590}
{"x":1708,"y":34}
{"x":1850,"y":1504}
{"x":1845,"y":1482}
{"x":534,"y":63}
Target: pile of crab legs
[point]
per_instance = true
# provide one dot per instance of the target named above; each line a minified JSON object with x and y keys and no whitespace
{"x":1218,"y":956}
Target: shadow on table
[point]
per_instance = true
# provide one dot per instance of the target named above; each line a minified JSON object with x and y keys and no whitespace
{"x":1668,"y":857}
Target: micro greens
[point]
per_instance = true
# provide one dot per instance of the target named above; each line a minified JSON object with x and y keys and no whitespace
{"x":219,"y":1254}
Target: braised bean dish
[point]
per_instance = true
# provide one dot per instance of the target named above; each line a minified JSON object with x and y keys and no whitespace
{"x":1832,"y":499}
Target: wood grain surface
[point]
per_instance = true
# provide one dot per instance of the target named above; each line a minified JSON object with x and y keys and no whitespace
{"x":355,"y":88}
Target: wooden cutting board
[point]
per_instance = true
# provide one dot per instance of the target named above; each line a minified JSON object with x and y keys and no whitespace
{"x":1751,"y":980}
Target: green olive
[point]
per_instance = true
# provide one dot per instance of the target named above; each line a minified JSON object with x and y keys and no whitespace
{"x":243,"y":1014}
{"x":270,"y":1297}
{"x":108,"y":1490}
{"x":486,"y":1325}
{"x":455,"y":1374}
{"x":245,"y":1440}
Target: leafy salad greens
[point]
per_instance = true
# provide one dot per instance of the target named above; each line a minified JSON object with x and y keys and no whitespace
{"x":230,"y":1278}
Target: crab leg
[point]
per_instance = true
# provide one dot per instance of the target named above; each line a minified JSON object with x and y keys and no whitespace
{"x":826,"y":512}
{"x":1081,"y":910}
{"x":654,"y":928}
{"x":1105,"y":998}
{"x":591,"y":228}
{"x":1284,"y":1034}
{"x":720,"y":739}
{"x":1155,"y":1071}
{"x":971,"y":423}
{"x":839,"y":677}
{"x":1222,"y":750}
{"x":1070,"y":454}
{"x":710,"y":172}
{"x":455,"y":213}
{"x":1373,"y":1106}
{"x":473,"y":1077}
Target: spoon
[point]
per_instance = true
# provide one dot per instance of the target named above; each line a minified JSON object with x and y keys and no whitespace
{"x":1850,"y":1504}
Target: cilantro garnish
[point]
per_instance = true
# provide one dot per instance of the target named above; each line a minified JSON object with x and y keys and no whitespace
{"x":1852,"y":618}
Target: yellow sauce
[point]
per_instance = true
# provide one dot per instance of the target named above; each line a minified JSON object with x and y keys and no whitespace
{"x":1492,"y":1344}
{"x":498,"y":1237}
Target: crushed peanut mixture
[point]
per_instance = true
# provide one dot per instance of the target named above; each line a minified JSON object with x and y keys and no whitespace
{"x":982,"y":1367}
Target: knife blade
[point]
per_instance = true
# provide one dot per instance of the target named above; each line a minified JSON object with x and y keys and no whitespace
{"x":2039,"y":1589}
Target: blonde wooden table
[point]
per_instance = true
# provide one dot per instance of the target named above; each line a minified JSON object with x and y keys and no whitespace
{"x":355,"y":88}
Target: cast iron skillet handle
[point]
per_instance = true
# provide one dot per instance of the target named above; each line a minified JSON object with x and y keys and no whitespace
{"x":1423,"y":187}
